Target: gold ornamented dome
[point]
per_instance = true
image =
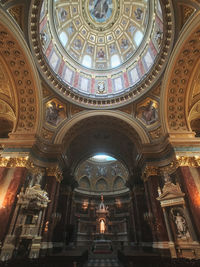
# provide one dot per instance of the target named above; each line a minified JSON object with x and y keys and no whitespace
{"x":101,"y":50}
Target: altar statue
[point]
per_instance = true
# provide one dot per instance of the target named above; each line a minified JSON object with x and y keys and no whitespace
{"x":102,"y":227}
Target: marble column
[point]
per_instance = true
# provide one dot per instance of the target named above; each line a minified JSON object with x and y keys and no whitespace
{"x":190,"y":180}
{"x":16,"y":177}
{"x":160,"y":229}
{"x":140,"y":207}
{"x":52,"y":188}
{"x":170,"y":235}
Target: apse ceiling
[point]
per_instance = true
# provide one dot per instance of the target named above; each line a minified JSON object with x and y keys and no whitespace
{"x":101,"y":174}
{"x":99,"y":50}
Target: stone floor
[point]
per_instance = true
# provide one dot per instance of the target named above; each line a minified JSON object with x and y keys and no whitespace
{"x":103,"y":262}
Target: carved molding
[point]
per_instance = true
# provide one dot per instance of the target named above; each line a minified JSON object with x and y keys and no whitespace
{"x":187,"y":161}
{"x":56,"y":172}
{"x":150,"y":171}
{"x":18,"y":14}
{"x":179,"y":161}
{"x":9,"y":162}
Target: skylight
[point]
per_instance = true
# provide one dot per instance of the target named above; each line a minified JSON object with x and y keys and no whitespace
{"x":102,"y":157}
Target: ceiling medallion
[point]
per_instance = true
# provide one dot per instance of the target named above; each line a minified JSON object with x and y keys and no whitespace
{"x":101,"y":53}
{"x":100,"y":15}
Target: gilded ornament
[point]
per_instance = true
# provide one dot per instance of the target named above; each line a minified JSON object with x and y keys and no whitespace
{"x":188,"y":161}
{"x":150,"y":171}
{"x":14,"y":162}
{"x":56,"y":172}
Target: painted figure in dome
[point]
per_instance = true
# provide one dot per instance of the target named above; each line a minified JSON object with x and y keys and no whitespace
{"x":138,"y":13}
{"x":149,"y":113}
{"x":100,"y":9}
{"x":124,"y":44}
{"x":63,"y":14}
{"x":101,"y":54}
{"x":53,"y":113}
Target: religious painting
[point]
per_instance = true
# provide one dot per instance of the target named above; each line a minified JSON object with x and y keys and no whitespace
{"x":101,"y":87}
{"x":63,"y":14}
{"x":100,"y":10}
{"x":148,"y":112}
{"x":112,"y":48}
{"x":55,"y":112}
{"x":124,"y":44}
{"x":77,"y":44}
{"x":138,"y":13}
{"x":101,"y":53}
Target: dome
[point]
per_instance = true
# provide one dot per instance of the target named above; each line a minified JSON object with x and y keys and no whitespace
{"x":101,"y":173}
{"x":97,"y":50}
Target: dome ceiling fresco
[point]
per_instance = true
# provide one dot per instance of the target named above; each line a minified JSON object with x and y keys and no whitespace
{"x":101,"y":48}
{"x":101,"y":175}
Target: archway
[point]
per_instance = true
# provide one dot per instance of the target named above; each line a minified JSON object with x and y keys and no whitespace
{"x":177,"y":82}
{"x":22,"y":90}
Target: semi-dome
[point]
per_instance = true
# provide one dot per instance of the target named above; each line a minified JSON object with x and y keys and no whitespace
{"x":101,"y":173}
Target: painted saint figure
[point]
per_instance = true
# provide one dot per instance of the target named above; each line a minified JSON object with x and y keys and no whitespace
{"x":100,"y":9}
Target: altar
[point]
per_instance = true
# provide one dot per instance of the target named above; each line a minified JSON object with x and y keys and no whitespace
{"x":100,"y":231}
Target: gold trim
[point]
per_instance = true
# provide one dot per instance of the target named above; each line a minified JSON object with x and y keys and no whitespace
{"x":179,"y":161}
{"x":9,"y":162}
{"x":149,"y":171}
{"x":56,"y":172}
{"x":187,"y":161}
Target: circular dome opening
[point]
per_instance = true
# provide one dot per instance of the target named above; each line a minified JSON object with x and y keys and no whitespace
{"x":102,"y":158}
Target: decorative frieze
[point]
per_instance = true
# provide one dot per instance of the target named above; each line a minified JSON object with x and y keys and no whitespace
{"x":15,"y":162}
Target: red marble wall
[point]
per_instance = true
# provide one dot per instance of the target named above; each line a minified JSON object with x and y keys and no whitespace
{"x":10,"y":199}
{"x":52,"y":188}
{"x":159,"y":223}
{"x":192,"y":194}
{"x":2,"y":173}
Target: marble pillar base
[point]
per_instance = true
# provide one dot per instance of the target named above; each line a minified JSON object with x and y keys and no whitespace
{"x":189,"y":250}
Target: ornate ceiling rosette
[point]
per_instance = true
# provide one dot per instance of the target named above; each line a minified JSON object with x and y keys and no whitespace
{"x":101,"y":53}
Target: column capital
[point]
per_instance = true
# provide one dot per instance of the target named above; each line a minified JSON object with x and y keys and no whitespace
{"x":55,"y":171}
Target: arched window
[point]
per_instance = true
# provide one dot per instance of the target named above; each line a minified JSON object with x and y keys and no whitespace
{"x":115,"y":61}
{"x":138,"y":37}
{"x":87,"y":61}
{"x":6,"y":127}
{"x":63,"y":38}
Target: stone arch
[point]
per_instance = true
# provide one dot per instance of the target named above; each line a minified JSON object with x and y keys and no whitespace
{"x":108,"y":113}
{"x":7,"y":119}
{"x":26,"y":88}
{"x":101,"y":185}
{"x":176,"y":83}
{"x":118,"y":183}
{"x":84,"y":182}
{"x":101,"y":132}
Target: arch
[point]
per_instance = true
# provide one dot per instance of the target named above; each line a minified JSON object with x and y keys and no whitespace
{"x":109,"y":113}
{"x":15,"y":52}
{"x":101,"y":185}
{"x":7,"y":119}
{"x":118,"y":183}
{"x":176,"y":83}
{"x":84,"y":182}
